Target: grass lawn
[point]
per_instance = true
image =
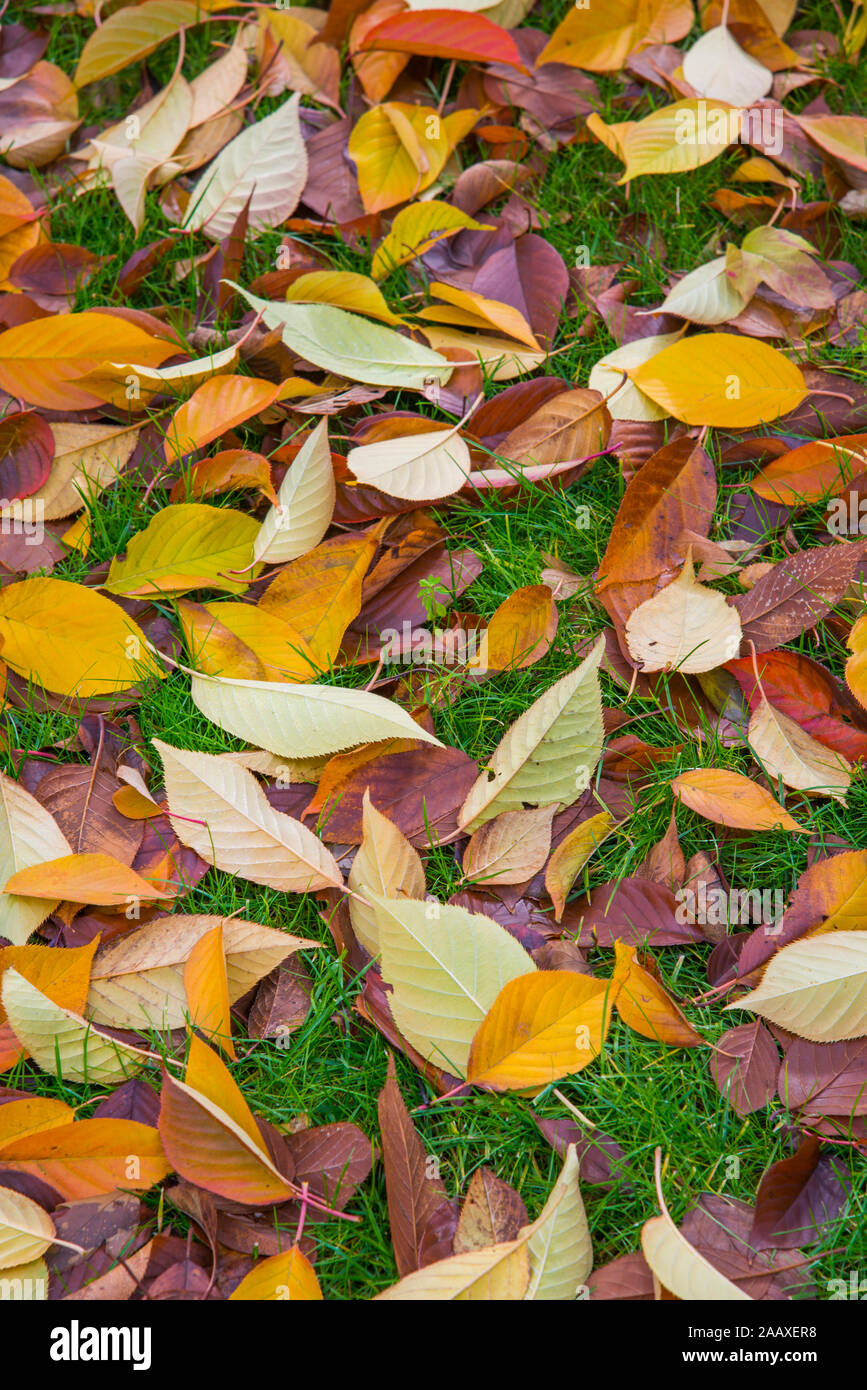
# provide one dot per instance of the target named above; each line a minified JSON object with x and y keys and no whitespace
{"x":639,"y":1092}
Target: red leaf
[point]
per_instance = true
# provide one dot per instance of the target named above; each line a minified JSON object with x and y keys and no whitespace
{"x":26,"y":452}
{"x":468,"y":38}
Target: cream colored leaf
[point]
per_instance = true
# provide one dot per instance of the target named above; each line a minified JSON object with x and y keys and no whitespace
{"x":717,"y":67}
{"x":302,"y":721}
{"x":352,"y":346}
{"x":182,"y":377}
{"x":386,"y":863}
{"x":86,"y":459}
{"x":546,"y":757}
{"x":511,"y":848}
{"x":305,"y":506}
{"x":217,"y":86}
{"x":26,"y":1283}
{"x":288,"y":770}
{"x":788,"y":751}
{"x":686,"y":627}
{"x":61,"y":1041}
{"x":561,"y":1251}
{"x":416,"y":467}
{"x":220,"y":811}
{"x":137,"y":980}
{"x":680,"y":1268}
{"x":629,"y":403}
{"x":446,"y":967}
{"x":495,"y":1274}
{"x":816,"y":988}
{"x":26,"y":1229}
{"x":28,"y":835}
{"x":266,"y":163}
{"x":706,"y":295}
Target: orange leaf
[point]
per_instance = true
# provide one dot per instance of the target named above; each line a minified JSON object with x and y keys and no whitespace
{"x":233,"y":468}
{"x":214,"y":407}
{"x":730,"y":799}
{"x":41,"y":360}
{"x":97,"y":880}
{"x":445,"y":33}
{"x":645,"y":1006}
{"x":522,"y":629}
{"x":90,"y":1157}
{"x":813,"y":470}
{"x":211,"y":1137}
{"x":279,"y":1278}
{"x":207,"y":987}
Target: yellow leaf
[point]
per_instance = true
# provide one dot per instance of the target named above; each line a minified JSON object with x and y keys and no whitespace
{"x":319,"y":594}
{"x":279,"y":1278}
{"x":305,"y":503}
{"x":416,"y":229}
{"x":241,"y":639}
{"x":400,"y":149}
{"x":28,"y":835}
{"x":601,"y":37}
{"x":572,"y":854}
{"x":346,"y":290}
{"x":63,"y":1043}
{"x":131,"y":34}
{"x":96,"y":879}
{"x":498,"y":1273}
{"x":387,"y":864}
{"x":722,"y":379}
{"x":471,"y":310}
{"x":26,"y":1230}
{"x":561,"y":1251}
{"x":188,"y":546}
{"x":541,"y":1027}
{"x":446,"y":967}
{"x":71,"y":640}
{"x":547,"y":755}
{"x":677,"y":138}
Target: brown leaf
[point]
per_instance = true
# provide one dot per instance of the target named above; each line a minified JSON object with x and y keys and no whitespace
{"x":797,"y":594}
{"x":417,"y":1198}
{"x":282,"y":1002}
{"x":79,"y":797}
{"x":492,"y":1212}
{"x":744,"y":1065}
{"x":420,"y":793}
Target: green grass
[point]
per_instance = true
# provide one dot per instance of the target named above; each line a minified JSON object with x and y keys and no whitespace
{"x":642,"y":1094}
